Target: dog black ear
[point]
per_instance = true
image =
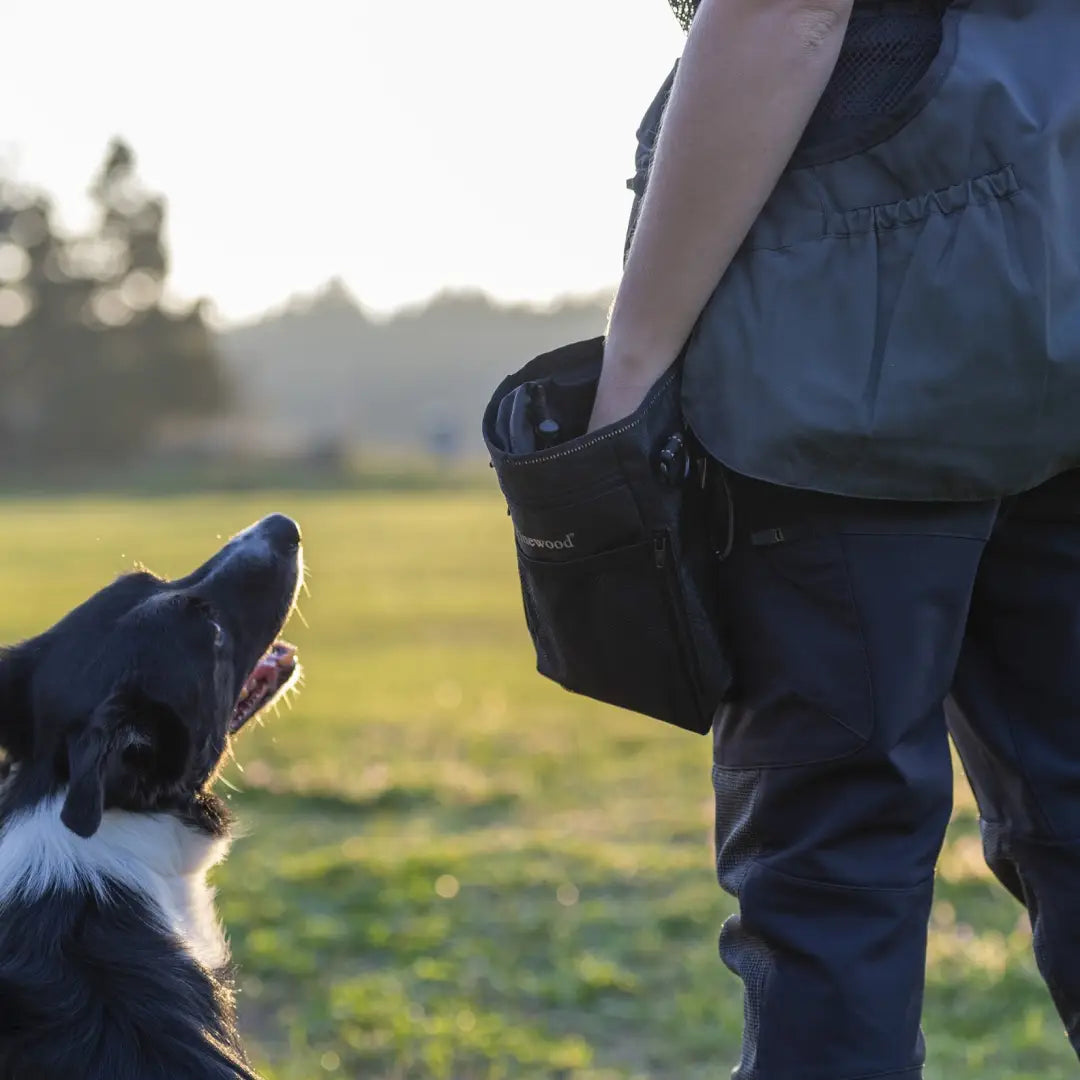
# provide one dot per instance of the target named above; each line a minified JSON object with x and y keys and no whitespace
{"x":88,"y":753}
{"x":130,"y":734}
{"x":16,"y":713}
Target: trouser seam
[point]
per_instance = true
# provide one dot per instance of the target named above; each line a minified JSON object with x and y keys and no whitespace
{"x":1047,"y":843}
{"x":916,"y":1072}
{"x":842,"y":887}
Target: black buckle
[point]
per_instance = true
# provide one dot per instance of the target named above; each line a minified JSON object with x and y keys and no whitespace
{"x":674,"y":464}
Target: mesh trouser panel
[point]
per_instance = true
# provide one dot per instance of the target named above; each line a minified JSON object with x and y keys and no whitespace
{"x":748,"y":957}
{"x":737,"y":845}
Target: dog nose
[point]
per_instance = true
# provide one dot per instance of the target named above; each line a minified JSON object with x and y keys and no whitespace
{"x":282,"y":532}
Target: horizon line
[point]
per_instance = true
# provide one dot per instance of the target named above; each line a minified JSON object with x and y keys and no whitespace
{"x":305,"y":300}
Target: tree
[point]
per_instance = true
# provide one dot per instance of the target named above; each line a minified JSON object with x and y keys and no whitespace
{"x":92,"y":362}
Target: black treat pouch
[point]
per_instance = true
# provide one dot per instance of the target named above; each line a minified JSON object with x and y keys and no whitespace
{"x":618,"y":539}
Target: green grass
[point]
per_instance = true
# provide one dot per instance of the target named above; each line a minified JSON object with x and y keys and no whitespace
{"x":456,"y":871}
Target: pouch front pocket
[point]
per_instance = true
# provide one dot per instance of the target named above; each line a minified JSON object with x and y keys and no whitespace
{"x":612,"y":626}
{"x":584,"y":526}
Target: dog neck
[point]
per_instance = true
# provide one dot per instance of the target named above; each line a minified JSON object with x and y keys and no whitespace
{"x":157,"y":857}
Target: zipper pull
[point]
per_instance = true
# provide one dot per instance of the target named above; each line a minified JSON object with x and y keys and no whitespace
{"x":660,"y":546}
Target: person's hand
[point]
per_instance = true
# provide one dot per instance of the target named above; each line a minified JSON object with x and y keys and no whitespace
{"x":622,"y":388}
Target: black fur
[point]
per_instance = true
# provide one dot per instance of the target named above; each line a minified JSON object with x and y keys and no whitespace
{"x":93,"y":989}
{"x":127,"y":703}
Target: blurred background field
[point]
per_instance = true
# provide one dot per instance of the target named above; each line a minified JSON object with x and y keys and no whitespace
{"x":454,"y":871}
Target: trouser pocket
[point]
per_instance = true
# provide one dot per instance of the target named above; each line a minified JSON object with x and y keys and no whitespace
{"x":803,"y":691}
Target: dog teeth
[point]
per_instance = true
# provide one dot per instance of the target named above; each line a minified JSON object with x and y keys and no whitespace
{"x":282,"y":653}
{"x":270,"y":673}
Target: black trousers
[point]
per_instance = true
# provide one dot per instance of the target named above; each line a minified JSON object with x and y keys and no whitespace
{"x":863,"y":632}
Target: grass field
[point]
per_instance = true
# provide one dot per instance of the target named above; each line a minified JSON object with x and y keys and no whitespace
{"x":456,"y":871}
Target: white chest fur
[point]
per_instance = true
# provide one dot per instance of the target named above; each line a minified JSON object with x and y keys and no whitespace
{"x":154,"y":855}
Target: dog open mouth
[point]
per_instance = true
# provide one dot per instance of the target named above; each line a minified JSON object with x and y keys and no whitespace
{"x":273,"y":674}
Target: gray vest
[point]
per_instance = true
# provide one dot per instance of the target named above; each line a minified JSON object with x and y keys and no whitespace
{"x":903,"y":320}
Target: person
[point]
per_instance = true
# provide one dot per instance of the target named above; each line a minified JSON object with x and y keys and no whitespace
{"x":856,"y":228}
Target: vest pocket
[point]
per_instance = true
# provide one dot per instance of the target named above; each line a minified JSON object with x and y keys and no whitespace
{"x":887,"y":351}
{"x":978,"y":191}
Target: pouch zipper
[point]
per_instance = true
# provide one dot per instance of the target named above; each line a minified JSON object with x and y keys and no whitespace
{"x":672,"y":589}
{"x":543,"y":456}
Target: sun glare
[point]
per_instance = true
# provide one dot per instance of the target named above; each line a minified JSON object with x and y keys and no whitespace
{"x":404,"y":148}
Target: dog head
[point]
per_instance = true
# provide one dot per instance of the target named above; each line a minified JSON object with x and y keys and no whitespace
{"x":131,"y":699}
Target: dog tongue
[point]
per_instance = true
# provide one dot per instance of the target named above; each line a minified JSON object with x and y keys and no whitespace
{"x":268,"y":669}
{"x":270,"y":674}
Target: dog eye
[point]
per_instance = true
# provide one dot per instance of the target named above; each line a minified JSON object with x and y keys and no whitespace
{"x":219,"y":634}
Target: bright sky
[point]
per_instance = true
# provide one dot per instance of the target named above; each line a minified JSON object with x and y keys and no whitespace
{"x":406,"y":147}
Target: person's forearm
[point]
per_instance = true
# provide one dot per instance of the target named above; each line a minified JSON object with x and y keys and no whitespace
{"x":750,"y":77}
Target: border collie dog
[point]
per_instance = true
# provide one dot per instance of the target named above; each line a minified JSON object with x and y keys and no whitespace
{"x":114,"y":723}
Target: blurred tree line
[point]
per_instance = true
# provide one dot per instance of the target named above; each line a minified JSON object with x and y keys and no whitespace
{"x":93,"y":360}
